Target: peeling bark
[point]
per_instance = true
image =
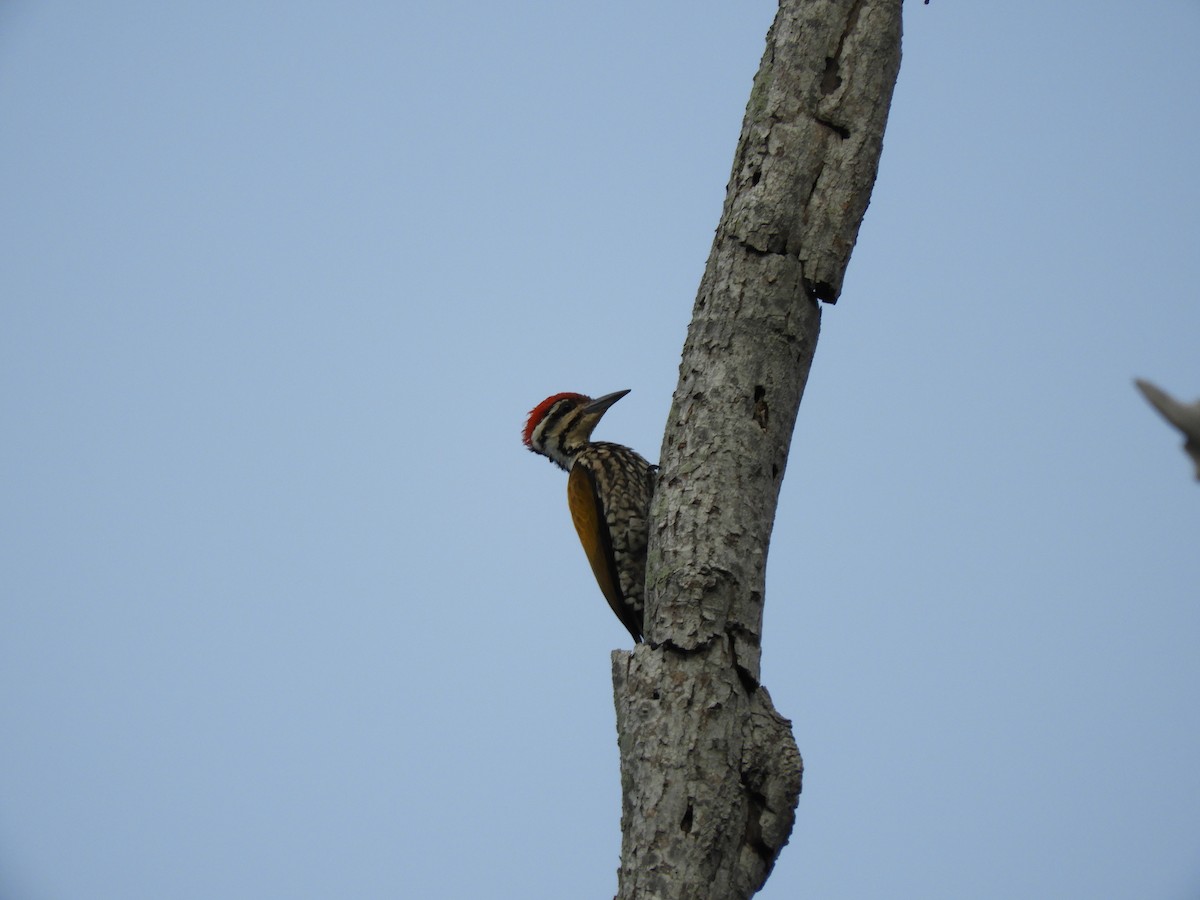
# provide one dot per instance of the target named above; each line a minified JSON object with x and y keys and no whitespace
{"x":710,"y":772}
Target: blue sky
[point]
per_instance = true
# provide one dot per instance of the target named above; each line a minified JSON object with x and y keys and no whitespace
{"x":288,"y":611}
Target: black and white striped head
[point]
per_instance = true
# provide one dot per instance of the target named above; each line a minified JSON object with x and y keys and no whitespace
{"x":561,"y":425}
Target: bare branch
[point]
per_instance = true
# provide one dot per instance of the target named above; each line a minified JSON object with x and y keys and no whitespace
{"x":710,"y":772}
{"x":1184,"y":416}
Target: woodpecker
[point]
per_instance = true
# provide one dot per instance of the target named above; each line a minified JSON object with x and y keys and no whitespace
{"x":609,"y":488}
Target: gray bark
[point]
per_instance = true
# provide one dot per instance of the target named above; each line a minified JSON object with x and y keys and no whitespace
{"x":710,"y":771}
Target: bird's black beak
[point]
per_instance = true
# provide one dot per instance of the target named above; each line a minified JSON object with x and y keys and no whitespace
{"x":601,"y":404}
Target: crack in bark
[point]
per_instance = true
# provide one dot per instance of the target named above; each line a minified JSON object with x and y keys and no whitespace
{"x":840,"y":130}
{"x":762,"y":413}
{"x":830,"y":80}
{"x":851,"y":24}
{"x":698,"y":649}
{"x":756,"y":805}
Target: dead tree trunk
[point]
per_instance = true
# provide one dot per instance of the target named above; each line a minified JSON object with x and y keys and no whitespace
{"x":710,"y":771}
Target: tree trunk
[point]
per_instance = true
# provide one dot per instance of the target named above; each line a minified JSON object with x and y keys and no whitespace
{"x":709,"y":770}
